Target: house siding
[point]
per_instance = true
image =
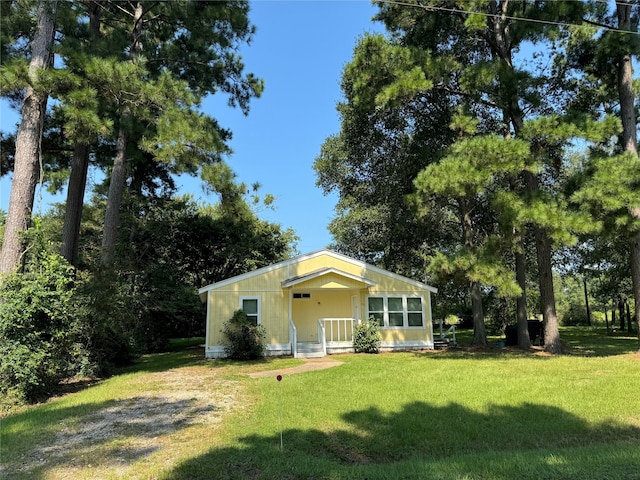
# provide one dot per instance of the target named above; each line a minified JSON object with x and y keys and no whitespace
{"x":274,"y":307}
{"x":331,"y":295}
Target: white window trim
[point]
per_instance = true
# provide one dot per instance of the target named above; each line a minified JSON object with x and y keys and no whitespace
{"x":405,"y":311}
{"x":243,"y":298}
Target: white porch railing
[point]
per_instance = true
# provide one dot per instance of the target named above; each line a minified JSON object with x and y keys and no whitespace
{"x":338,"y":329}
{"x":293,"y":338}
{"x":452,"y":330}
{"x":336,"y":332}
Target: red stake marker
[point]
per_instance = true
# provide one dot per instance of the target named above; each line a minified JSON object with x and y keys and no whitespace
{"x":279,"y":378}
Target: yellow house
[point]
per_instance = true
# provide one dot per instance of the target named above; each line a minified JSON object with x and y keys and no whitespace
{"x":308,"y":306}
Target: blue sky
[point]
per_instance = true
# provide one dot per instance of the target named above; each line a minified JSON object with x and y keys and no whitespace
{"x":300,"y":48}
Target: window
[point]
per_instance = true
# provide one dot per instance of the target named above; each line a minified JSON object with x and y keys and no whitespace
{"x":376,"y":309}
{"x":396,"y":311}
{"x":251,"y":307}
{"x":301,"y":295}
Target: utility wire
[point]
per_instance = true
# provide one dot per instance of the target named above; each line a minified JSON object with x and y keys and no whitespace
{"x":497,"y":15}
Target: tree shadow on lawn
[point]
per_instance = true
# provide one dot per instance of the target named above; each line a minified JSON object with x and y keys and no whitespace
{"x":111,"y":434}
{"x":576,"y":342}
{"x":379,"y":444}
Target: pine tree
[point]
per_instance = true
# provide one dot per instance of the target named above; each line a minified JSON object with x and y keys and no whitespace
{"x":28,"y":155}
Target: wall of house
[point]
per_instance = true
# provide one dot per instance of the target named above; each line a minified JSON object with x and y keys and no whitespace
{"x":334,"y":300}
{"x":418,"y":337}
{"x":322,"y":304}
{"x":274,"y":306}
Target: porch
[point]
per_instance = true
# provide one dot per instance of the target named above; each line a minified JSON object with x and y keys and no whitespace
{"x":335,"y":335}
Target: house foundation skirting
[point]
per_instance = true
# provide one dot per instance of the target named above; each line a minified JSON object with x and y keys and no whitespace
{"x":271,"y":350}
{"x":278,"y":349}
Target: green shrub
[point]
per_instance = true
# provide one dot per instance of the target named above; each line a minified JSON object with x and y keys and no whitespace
{"x":39,"y":329}
{"x":244,"y":340}
{"x":576,"y":314}
{"x":366,"y":337}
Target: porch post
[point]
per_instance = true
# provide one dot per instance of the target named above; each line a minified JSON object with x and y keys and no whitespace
{"x":292,"y":332}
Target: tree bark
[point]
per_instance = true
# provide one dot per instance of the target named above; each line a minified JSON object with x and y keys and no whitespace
{"x":79,"y":169}
{"x":625,"y":84}
{"x":75,"y":201}
{"x":635,"y":276}
{"x":524,"y":341}
{"x":119,"y":172}
{"x":114,"y":200}
{"x":27,"y":156}
{"x":629,"y":141}
{"x":545,"y":279}
{"x":479,"y":331}
{"x":586,"y":300}
{"x":547,"y":297}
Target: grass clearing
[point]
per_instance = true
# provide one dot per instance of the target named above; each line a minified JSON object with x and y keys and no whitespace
{"x":457,"y":414}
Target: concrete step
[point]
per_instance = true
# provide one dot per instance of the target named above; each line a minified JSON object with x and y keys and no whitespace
{"x":441,"y":343}
{"x":309,"y":350}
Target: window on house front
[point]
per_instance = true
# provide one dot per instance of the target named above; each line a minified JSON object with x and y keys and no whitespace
{"x":376,"y":310}
{"x":396,"y":311}
{"x":301,"y":295}
{"x":251,"y":307}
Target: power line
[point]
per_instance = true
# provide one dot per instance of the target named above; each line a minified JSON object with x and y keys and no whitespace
{"x":509,"y":17}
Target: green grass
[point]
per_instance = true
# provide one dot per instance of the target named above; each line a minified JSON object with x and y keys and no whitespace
{"x":176,"y":344}
{"x":495,"y":413}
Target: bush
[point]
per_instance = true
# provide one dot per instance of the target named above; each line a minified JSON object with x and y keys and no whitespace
{"x":575,"y":315}
{"x":366,"y":337}
{"x":244,"y":339}
{"x":39,"y":329}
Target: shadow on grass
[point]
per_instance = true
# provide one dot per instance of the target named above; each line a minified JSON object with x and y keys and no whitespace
{"x":158,"y":362}
{"x":576,"y":341}
{"x":423,"y":437}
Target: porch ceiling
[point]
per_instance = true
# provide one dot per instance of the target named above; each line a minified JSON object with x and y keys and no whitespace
{"x":290,"y":282}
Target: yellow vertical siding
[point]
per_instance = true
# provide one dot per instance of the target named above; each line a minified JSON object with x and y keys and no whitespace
{"x":322,"y":304}
{"x":330,"y":297}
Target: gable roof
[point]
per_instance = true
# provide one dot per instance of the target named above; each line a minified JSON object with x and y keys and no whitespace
{"x":290,"y":282}
{"x":331,"y":253}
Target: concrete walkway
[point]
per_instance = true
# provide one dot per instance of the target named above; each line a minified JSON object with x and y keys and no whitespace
{"x":310,"y":364}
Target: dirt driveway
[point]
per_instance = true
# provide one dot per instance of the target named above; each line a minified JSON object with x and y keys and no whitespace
{"x":310,"y":364}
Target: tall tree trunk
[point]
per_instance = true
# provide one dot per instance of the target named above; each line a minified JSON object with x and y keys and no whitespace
{"x":629,"y":141}
{"x":501,"y":44}
{"x":27,"y":155}
{"x":479,"y":331}
{"x":547,"y":297}
{"x":545,"y":279}
{"x":79,"y":168}
{"x":119,"y":172}
{"x":586,"y":300}
{"x":114,"y":200}
{"x":75,"y":201}
{"x":524,"y":341}
{"x":635,"y":276}
{"x":625,"y":84}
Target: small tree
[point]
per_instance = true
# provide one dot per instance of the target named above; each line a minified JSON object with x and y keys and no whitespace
{"x":366,"y":337}
{"x":245,"y":341}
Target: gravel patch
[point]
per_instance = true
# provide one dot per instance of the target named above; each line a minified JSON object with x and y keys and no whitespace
{"x":126,"y":430}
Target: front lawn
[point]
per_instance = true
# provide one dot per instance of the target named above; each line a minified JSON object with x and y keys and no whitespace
{"x":458,"y":414}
